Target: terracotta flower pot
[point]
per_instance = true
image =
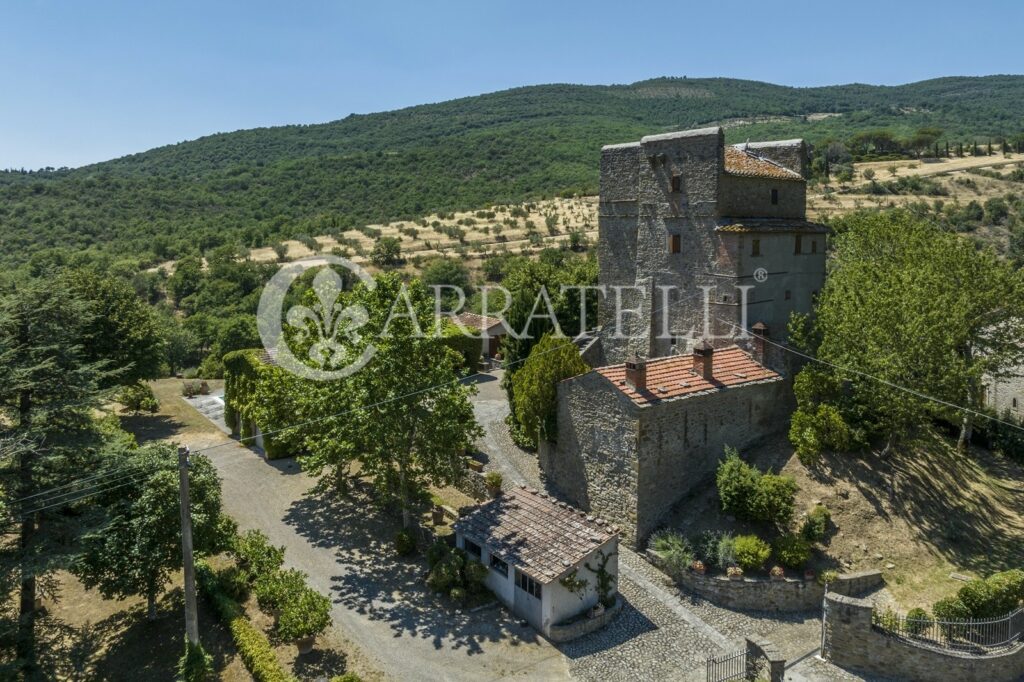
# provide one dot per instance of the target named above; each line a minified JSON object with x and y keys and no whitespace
{"x":305,"y":645}
{"x":809,"y":574}
{"x":474,"y":465}
{"x":494,"y":491}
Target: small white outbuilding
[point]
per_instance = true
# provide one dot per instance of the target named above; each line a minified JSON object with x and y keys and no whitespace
{"x":548,"y":561}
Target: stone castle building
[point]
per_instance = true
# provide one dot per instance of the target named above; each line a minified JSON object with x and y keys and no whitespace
{"x":705,"y":243}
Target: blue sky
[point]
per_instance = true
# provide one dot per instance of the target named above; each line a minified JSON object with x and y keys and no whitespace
{"x":85,"y":81}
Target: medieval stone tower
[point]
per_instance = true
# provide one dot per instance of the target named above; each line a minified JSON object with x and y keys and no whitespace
{"x":681,"y":211}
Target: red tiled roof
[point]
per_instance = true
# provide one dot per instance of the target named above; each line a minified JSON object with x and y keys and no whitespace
{"x":474,"y":321}
{"x":673,"y":377}
{"x":536,"y":533}
{"x":741,"y":162}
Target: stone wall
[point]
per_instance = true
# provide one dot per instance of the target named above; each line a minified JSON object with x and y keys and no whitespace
{"x":1006,"y":394}
{"x":789,"y":153}
{"x":631,"y":464}
{"x":680,"y":442}
{"x":593,"y":462}
{"x":852,"y":642}
{"x":583,"y":625}
{"x":764,"y":594}
{"x":740,"y":196}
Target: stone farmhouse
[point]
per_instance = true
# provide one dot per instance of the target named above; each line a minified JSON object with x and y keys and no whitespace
{"x":682,"y":377}
{"x":531,"y":542}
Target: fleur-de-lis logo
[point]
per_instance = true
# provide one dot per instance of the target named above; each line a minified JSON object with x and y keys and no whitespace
{"x":327,"y":328}
{"x":328,"y":324}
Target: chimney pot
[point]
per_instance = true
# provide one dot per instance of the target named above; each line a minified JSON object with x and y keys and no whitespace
{"x":759,"y":344}
{"x":703,"y":359}
{"x":636,"y":373}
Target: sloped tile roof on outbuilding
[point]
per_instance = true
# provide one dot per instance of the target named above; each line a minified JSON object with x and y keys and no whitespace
{"x":536,"y":533}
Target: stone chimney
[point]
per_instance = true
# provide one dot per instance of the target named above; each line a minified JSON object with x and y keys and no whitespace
{"x":703,"y":359}
{"x":759,"y":344}
{"x":636,"y":373}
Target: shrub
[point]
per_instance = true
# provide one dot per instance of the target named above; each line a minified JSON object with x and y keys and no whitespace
{"x":195,"y":665}
{"x":475,"y":573}
{"x":1008,"y":590}
{"x":737,"y":483}
{"x":827,"y":577}
{"x":918,"y":620}
{"x":458,"y":595}
{"x":493,"y":479}
{"x":276,"y":589}
{"x":792,"y":551}
{"x":437,"y":551}
{"x":405,"y":543}
{"x":815,"y":526}
{"x":751,"y":495}
{"x":667,"y":540}
{"x":446,"y":574}
{"x":773,"y":501}
{"x":256,"y":555}
{"x":306,"y":614}
{"x":252,"y":644}
{"x":138,"y":397}
{"x":725,"y":553}
{"x":950,"y":608}
{"x":751,"y":552}
{"x":705,"y":547}
{"x":235,"y":583}
{"x":347,"y":677}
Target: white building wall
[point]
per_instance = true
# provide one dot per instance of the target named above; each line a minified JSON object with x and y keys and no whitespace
{"x":559,"y":604}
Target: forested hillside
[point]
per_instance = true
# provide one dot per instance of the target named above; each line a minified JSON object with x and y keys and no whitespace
{"x":254,"y":186}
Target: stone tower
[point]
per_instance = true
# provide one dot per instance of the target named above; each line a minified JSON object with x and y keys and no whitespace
{"x":682,"y":211}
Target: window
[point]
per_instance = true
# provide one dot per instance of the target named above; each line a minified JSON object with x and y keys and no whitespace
{"x":755,"y":247}
{"x":789,"y":294}
{"x":775,"y":197}
{"x":814,"y":246}
{"x":499,"y":566}
{"x":799,"y":246}
{"x":473,"y":549}
{"x":527,"y":584}
{"x":675,"y":243}
{"x":677,"y":182}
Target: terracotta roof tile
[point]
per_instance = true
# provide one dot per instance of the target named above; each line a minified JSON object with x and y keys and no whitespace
{"x":769,"y":225}
{"x":740,"y":162}
{"x":535,"y":532}
{"x":673,"y":377}
{"x":474,"y":321}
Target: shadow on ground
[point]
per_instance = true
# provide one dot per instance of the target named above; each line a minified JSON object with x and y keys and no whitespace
{"x":382,"y":587}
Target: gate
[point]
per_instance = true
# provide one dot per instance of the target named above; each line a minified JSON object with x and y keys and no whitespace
{"x":727,"y":667}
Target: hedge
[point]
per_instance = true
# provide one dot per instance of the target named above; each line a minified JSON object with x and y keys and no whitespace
{"x":249,"y":385}
{"x":253,"y":646}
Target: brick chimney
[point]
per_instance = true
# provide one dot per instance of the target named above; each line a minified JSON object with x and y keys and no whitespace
{"x":636,"y":373}
{"x":759,"y":344}
{"x":703,"y":359}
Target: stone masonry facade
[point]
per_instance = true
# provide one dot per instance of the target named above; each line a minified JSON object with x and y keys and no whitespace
{"x":681,"y":211}
{"x":678,"y":212}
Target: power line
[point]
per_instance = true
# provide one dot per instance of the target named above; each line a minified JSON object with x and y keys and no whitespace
{"x":911,"y":391}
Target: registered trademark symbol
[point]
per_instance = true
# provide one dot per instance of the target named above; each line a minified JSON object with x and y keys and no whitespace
{"x":760,"y":275}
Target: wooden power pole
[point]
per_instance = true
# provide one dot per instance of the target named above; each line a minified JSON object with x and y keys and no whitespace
{"x":191,"y":617}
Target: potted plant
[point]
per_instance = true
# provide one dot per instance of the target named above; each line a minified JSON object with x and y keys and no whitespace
{"x":274,"y":590}
{"x":474,"y":465}
{"x":304,"y":617}
{"x":698,"y":567}
{"x":493,"y":482}
{"x":777,"y":573}
{"x":734,"y":573}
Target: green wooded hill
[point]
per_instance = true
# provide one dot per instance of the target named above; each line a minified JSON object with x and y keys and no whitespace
{"x":255,"y":186}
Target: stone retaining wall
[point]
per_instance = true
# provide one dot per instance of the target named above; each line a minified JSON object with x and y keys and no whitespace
{"x":852,"y":642}
{"x":583,"y":626}
{"x":764,"y":594}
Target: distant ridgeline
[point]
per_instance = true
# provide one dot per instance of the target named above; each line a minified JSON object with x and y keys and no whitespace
{"x":253,"y":187}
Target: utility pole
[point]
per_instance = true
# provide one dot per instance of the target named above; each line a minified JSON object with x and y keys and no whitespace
{"x":191,"y":617}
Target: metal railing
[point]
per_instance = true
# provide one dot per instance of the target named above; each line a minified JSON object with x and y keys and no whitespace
{"x":727,"y":667}
{"x":978,"y":636}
